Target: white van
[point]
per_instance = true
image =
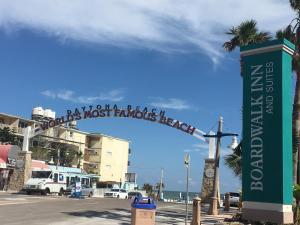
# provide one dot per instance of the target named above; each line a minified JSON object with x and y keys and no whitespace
{"x":54,"y":180}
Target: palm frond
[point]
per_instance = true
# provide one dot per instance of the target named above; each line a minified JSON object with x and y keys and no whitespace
{"x":229,"y":46}
{"x":295,"y":4}
{"x":286,"y":33}
{"x":244,"y":34}
{"x":234,"y":160}
{"x":232,"y":31}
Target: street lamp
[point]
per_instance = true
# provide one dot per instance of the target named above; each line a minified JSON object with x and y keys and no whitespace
{"x":234,"y":143}
{"x":187,"y":160}
{"x":213,"y":210}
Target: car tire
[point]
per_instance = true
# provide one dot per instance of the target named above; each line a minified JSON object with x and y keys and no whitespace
{"x":61,"y":192}
{"x":118,"y":196}
{"x":46,"y":192}
{"x":90,"y":194}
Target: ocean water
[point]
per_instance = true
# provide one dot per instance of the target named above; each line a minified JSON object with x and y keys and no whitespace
{"x":175,"y":195}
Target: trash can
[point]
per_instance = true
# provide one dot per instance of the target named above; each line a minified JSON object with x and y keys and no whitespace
{"x":143,"y":211}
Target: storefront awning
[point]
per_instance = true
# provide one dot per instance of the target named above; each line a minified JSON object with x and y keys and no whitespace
{"x":4,"y":151}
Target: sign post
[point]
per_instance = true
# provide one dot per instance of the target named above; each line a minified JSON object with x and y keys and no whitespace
{"x":267,"y":131}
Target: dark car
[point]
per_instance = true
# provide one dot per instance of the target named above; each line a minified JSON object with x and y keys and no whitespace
{"x":134,"y":194}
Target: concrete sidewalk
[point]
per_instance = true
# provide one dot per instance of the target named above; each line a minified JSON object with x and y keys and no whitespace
{"x":124,"y":218}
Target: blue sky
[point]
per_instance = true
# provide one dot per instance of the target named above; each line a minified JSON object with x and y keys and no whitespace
{"x":170,"y":59}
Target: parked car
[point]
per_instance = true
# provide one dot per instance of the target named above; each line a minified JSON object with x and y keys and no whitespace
{"x":86,"y":190}
{"x":234,"y":199}
{"x":134,"y":194}
{"x":116,"y":193}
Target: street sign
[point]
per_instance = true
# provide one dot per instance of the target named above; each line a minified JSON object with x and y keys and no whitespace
{"x":267,"y":131}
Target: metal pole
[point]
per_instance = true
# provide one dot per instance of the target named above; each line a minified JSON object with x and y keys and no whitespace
{"x":187,"y":163}
{"x":214,"y":200}
{"x":161,"y":184}
{"x":58,"y":158}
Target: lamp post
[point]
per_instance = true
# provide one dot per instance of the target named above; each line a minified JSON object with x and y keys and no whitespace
{"x":213,"y":210}
{"x":187,"y":165}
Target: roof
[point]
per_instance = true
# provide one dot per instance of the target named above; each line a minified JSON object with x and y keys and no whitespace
{"x":37,"y":164}
{"x":66,"y":128}
{"x":17,"y":117}
{"x":65,"y":169}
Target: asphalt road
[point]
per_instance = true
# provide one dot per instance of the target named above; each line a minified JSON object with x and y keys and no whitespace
{"x":16,"y":209}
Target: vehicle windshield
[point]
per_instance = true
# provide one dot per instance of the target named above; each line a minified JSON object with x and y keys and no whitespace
{"x":115,"y":190}
{"x":71,"y":186}
{"x":41,"y":174}
{"x":234,"y":194}
{"x":132,"y":193}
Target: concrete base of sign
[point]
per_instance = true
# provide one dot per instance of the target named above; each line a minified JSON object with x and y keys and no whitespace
{"x":267,"y":212}
{"x":207,"y":182}
{"x":21,"y":172}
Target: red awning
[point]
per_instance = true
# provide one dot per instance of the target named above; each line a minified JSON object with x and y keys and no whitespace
{"x":37,"y":165}
{"x":4,"y":151}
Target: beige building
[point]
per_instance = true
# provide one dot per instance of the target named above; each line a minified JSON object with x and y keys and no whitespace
{"x":100,"y":154}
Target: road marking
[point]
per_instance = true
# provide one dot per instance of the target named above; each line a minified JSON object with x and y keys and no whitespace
{"x":14,"y":203}
{"x":14,"y":199}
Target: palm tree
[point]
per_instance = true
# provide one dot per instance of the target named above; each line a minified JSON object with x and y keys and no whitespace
{"x":293,"y":35}
{"x":234,"y":160}
{"x":8,"y":136}
{"x":244,"y":34}
{"x":148,"y":188}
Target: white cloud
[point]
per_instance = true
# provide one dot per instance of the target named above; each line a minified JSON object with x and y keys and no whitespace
{"x":170,"y":103}
{"x":163,"y":25}
{"x":115,"y":95}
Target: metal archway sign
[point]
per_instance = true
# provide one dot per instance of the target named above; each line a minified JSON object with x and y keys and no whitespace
{"x":104,"y":111}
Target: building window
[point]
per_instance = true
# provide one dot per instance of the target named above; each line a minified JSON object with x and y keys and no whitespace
{"x":109,"y":153}
{"x":61,"y":177}
{"x":22,"y":124}
{"x":108,"y":167}
{"x":71,"y":133}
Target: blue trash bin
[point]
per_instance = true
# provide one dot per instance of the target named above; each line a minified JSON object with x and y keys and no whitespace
{"x":143,"y":211}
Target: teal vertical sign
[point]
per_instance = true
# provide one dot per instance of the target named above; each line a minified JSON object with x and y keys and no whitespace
{"x":267,"y":131}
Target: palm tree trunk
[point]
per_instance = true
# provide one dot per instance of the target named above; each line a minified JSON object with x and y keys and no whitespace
{"x":296,"y":127}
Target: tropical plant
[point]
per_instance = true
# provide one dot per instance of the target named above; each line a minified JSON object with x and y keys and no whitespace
{"x":157,"y":186}
{"x":244,"y":34}
{"x":247,"y":33}
{"x":292,"y":33}
{"x":8,"y":136}
{"x":67,"y":156}
{"x":234,"y":160}
{"x":296,"y":209}
{"x":40,"y":154}
{"x":148,"y":188}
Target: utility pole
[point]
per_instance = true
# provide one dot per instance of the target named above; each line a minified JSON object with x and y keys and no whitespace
{"x":187,"y":165}
{"x":214,"y":200}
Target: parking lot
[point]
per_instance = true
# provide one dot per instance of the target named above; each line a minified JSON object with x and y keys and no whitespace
{"x":17,"y":209}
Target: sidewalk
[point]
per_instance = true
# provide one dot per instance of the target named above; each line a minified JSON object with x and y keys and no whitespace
{"x":123,"y":217}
